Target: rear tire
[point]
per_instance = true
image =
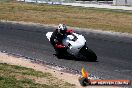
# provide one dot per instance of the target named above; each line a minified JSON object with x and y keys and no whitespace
{"x":61,"y":53}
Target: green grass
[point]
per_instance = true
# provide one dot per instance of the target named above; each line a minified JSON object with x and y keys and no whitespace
{"x":12,"y":76}
{"x":9,"y":69}
{"x":12,"y":82}
{"x":114,"y":20}
{"x":6,"y":0}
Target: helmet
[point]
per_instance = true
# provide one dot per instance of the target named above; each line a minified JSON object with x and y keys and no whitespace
{"x":62,"y":28}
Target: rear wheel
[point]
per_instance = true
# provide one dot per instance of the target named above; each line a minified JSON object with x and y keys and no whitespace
{"x":61,"y":53}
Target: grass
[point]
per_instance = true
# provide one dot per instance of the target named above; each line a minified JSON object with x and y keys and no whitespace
{"x":12,"y":76}
{"x":114,"y":20}
{"x":22,"y":70}
{"x":12,"y":82}
{"x":7,"y":0}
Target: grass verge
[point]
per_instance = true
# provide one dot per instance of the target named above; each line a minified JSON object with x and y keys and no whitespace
{"x":12,"y":76}
{"x":114,"y":20}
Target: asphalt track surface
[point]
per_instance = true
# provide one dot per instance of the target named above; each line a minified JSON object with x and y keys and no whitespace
{"x":114,"y":56}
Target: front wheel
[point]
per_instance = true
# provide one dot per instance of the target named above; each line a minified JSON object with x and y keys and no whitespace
{"x":88,"y":54}
{"x":92,"y":56}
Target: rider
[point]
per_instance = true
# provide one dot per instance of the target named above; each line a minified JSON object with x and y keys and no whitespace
{"x":58,"y":35}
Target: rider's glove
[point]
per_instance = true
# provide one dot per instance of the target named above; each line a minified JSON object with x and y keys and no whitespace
{"x":59,"y":46}
{"x":69,"y":31}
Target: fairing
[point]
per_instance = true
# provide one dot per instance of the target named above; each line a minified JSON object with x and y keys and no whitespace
{"x":75,"y":46}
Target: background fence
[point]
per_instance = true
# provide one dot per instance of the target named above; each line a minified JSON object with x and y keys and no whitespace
{"x":70,"y":1}
{"x":114,"y":2}
{"x":46,"y":1}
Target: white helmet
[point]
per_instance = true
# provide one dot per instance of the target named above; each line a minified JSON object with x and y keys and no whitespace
{"x":62,"y":28}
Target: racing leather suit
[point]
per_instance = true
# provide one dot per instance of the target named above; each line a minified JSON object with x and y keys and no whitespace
{"x":56,"y":39}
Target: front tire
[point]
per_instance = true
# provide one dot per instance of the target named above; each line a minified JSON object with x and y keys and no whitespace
{"x":91,"y":55}
{"x":88,"y":54}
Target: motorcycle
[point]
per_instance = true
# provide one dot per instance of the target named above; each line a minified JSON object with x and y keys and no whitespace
{"x":76,"y":46}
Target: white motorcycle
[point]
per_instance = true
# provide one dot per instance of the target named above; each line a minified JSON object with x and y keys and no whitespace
{"x":76,"y":44}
